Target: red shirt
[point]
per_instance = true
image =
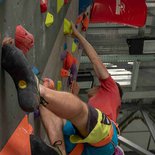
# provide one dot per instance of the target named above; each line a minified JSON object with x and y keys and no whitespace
{"x":107,"y":98}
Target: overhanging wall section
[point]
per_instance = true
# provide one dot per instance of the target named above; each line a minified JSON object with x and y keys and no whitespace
{"x":27,"y":13}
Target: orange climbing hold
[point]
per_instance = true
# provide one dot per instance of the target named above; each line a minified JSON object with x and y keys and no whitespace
{"x":79,"y":19}
{"x":64,"y":73}
{"x":69,"y":61}
{"x":85,"y":22}
{"x":23,"y":39}
{"x":19,"y":142}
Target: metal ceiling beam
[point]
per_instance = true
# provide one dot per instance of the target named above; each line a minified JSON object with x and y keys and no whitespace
{"x":106,"y":25}
{"x":135,"y":73}
{"x":126,"y":120}
{"x":150,"y":123}
{"x":150,"y":4}
{"x":120,"y":58}
{"x":133,"y":146}
{"x":138,"y":95}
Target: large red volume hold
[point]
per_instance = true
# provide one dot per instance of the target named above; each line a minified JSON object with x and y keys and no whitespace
{"x":23,"y":39}
{"x":126,"y":12}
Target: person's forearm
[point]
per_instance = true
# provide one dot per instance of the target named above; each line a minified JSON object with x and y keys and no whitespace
{"x":99,"y":68}
{"x":90,"y":51}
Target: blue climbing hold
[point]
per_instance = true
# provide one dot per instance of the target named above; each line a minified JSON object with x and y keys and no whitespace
{"x":83,"y":4}
{"x":35,"y":70}
{"x":65,"y":46}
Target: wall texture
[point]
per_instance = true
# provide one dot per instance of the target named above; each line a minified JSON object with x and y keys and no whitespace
{"x":27,"y":13}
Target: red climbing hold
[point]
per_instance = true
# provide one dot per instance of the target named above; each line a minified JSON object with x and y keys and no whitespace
{"x":43,"y":5}
{"x":69,"y":61}
{"x":66,"y":1}
{"x":64,"y":73}
{"x":23,"y":39}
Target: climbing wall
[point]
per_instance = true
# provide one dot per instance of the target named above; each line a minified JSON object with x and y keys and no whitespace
{"x":45,"y":55}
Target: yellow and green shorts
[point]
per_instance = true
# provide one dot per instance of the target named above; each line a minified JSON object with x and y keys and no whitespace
{"x":99,"y":128}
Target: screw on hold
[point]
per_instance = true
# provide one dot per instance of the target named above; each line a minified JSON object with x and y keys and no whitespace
{"x":59,"y":85}
{"x":22,"y":84}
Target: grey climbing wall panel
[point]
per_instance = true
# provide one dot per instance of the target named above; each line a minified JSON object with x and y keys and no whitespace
{"x":27,"y":13}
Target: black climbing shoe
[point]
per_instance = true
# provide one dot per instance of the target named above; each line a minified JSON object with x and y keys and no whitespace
{"x":38,"y":147}
{"x":15,"y":63}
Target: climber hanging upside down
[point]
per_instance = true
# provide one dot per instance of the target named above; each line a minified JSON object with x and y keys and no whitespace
{"x":90,"y":128}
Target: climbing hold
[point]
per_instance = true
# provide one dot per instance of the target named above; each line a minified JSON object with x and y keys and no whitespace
{"x":85,"y":22}
{"x":35,"y":70}
{"x":83,"y":4}
{"x":67,"y":27}
{"x":74,"y":46}
{"x":66,"y":1}
{"x":43,"y":5}
{"x":49,"y":19}
{"x":60,"y":4}
{"x":76,"y":40}
{"x":59,"y":85}
{"x":23,"y":39}
{"x":20,"y":138}
{"x":47,"y":82}
{"x":64,"y":73}
{"x":65,"y":46}
{"x":63,"y":55}
{"x":68,"y":61}
{"x":22,"y":84}
{"x":36,"y":113}
{"x":79,"y":19}
{"x":74,"y":71}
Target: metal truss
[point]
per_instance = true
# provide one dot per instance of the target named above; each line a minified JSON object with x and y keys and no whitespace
{"x":126,"y":120}
{"x":121,"y":58}
{"x":138,"y":95}
{"x":133,"y":146}
{"x":149,"y":123}
{"x":137,"y":113}
{"x":135,"y":73}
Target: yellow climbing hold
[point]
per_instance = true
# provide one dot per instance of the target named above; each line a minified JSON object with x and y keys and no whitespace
{"x":67,"y":27}
{"x":22,"y":84}
{"x":49,"y":19}
{"x":74,"y":46}
{"x":60,"y":4}
{"x":59,"y":85}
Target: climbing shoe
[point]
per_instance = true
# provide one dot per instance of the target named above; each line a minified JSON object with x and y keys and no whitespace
{"x":15,"y":63}
{"x":38,"y":147}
